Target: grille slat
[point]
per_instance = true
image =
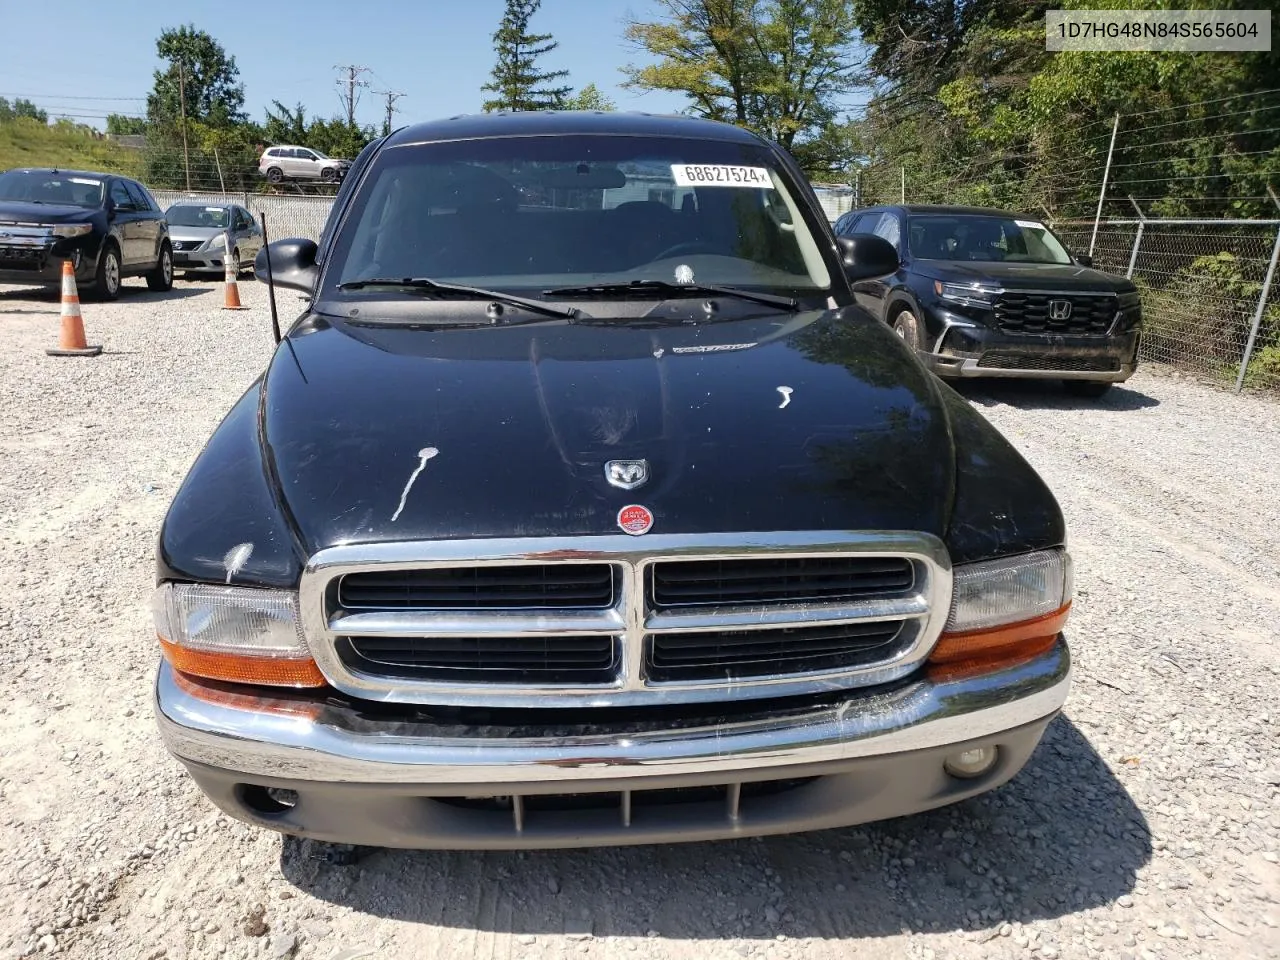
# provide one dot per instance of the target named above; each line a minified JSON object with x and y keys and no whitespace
{"x":1092,"y":314}
{"x":530,"y":660}
{"x":566,"y":586}
{"x":1005,"y":360}
{"x":735,"y":654}
{"x":779,"y":580}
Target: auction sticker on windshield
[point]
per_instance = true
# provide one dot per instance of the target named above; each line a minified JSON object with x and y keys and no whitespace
{"x":719,"y":175}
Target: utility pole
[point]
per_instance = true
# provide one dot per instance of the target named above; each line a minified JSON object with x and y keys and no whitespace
{"x":182,"y":100}
{"x":392,"y":97}
{"x":351,"y":81}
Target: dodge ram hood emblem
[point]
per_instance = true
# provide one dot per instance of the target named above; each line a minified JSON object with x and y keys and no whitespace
{"x":627,"y":474}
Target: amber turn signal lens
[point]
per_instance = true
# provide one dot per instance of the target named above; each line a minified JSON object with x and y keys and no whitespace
{"x":234,"y":668}
{"x":989,"y":641}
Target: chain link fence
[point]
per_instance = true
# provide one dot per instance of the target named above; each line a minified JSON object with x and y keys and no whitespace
{"x":287,"y":216}
{"x":1210,"y":302}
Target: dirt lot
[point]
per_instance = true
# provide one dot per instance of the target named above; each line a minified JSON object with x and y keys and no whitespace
{"x":1147,"y":825}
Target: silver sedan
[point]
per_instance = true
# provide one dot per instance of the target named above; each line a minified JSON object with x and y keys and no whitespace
{"x":202,"y":232}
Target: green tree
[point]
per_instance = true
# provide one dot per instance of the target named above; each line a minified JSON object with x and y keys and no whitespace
{"x":120,"y":125}
{"x":977,"y":111}
{"x":285,"y":125}
{"x":21,"y":108}
{"x":517,"y":82}
{"x":200,"y":72}
{"x":335,"y":136}
{"x":780,"y":67}
{"x":589,"y":98}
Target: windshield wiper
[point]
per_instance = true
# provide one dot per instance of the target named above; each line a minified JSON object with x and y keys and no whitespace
{"x":427,"y":285}
{"x":666,"y":288}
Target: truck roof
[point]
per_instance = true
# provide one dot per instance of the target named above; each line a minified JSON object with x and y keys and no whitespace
{"x":562,"y":122}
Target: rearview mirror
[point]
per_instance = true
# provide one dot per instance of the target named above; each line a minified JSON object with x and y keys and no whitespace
{"x":293,"y":264}
{"x":1084,"y":260}
{"x":864,"y":255}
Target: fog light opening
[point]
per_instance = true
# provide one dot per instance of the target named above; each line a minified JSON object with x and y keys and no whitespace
{"x":971,"y":763}
{"x":267,"y":801}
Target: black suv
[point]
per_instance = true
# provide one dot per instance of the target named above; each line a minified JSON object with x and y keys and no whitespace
{"x":985,"y":293}
{"x":108,"y":226}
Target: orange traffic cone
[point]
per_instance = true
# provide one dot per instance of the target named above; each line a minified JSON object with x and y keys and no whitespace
{"x":71,"y":342}
{"x":230,"y":292}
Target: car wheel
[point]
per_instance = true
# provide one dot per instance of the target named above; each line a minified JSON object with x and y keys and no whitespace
{"x":906,"y":326}
{"x":1087,"y":388}
{"x":328,"y":175}
{"x":274,"y":175}
{"x":160,"y":279}
{"x":106,"y":281}
{"x":235,"y":265}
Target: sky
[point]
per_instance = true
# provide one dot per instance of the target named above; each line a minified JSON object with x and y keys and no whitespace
{"x":84,"y":59}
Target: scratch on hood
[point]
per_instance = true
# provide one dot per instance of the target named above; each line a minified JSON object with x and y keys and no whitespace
{"x":425,"y":454}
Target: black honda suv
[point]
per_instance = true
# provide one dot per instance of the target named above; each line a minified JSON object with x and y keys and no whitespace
{"x":985,"y":293}
{"x":108,"y":226}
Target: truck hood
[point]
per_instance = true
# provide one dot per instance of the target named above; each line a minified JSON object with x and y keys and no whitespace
{"x":1023,"y":276}
{"x":818,"y":421}
{"x":17,"y":211}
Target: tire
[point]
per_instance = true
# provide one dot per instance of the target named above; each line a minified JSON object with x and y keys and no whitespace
{"x":236,"y":265}
{"x":160,"y":278}
{"x":907,"y":326}
{"x":106,"y":280}
{"x":274,"y":175}
{"x":329,"y":175}
{"x":1087,"y":388}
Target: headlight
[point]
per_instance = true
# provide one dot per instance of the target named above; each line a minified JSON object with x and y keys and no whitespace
{"x":1006,"y":608}
{"x":234,"y":633}
{"x":967,"y":294}
{"x":216,"y":243}
{"x":72,"y":229}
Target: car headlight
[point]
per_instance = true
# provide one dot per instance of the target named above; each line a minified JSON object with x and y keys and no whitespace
{"x":72,"y":229}
{"x":216,"y":243}
{"x":966,"y":294}
{"x":1006,"y":609}
{"x":238,"y":634}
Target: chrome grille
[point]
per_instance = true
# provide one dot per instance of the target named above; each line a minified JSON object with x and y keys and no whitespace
{"x":525,"y":622}
{"x":1092,"y":314}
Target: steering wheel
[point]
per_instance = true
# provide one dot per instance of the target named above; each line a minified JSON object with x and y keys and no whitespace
{"x":688,"y":247}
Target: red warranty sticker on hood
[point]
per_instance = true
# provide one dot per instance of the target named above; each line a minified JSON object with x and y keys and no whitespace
{"x":635,"y":519}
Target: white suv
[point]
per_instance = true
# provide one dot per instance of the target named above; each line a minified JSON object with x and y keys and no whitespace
{"x":300,"y":163}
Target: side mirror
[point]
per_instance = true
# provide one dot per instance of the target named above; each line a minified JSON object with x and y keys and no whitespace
{"x":293,"y":264}
{"x":864,"y":255}
{"x":1084,"y":260}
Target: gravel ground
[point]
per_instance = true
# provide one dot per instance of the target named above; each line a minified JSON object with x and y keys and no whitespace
{"x":1147,"y":824}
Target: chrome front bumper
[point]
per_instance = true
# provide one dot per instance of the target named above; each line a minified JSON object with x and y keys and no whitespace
{"x":318,"y":741}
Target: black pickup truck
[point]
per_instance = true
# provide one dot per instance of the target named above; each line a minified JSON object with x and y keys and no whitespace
{"x":582,"y":505}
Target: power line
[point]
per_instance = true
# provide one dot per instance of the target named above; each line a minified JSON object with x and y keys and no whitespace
{"x":53,"y":96}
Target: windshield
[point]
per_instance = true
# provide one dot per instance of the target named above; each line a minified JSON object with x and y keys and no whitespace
{"x":32,"y":186}
{"x":189,"y":215}
{"x":950,"y":237}
{"x":531,"y":213}
{"x":319,"y":153}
